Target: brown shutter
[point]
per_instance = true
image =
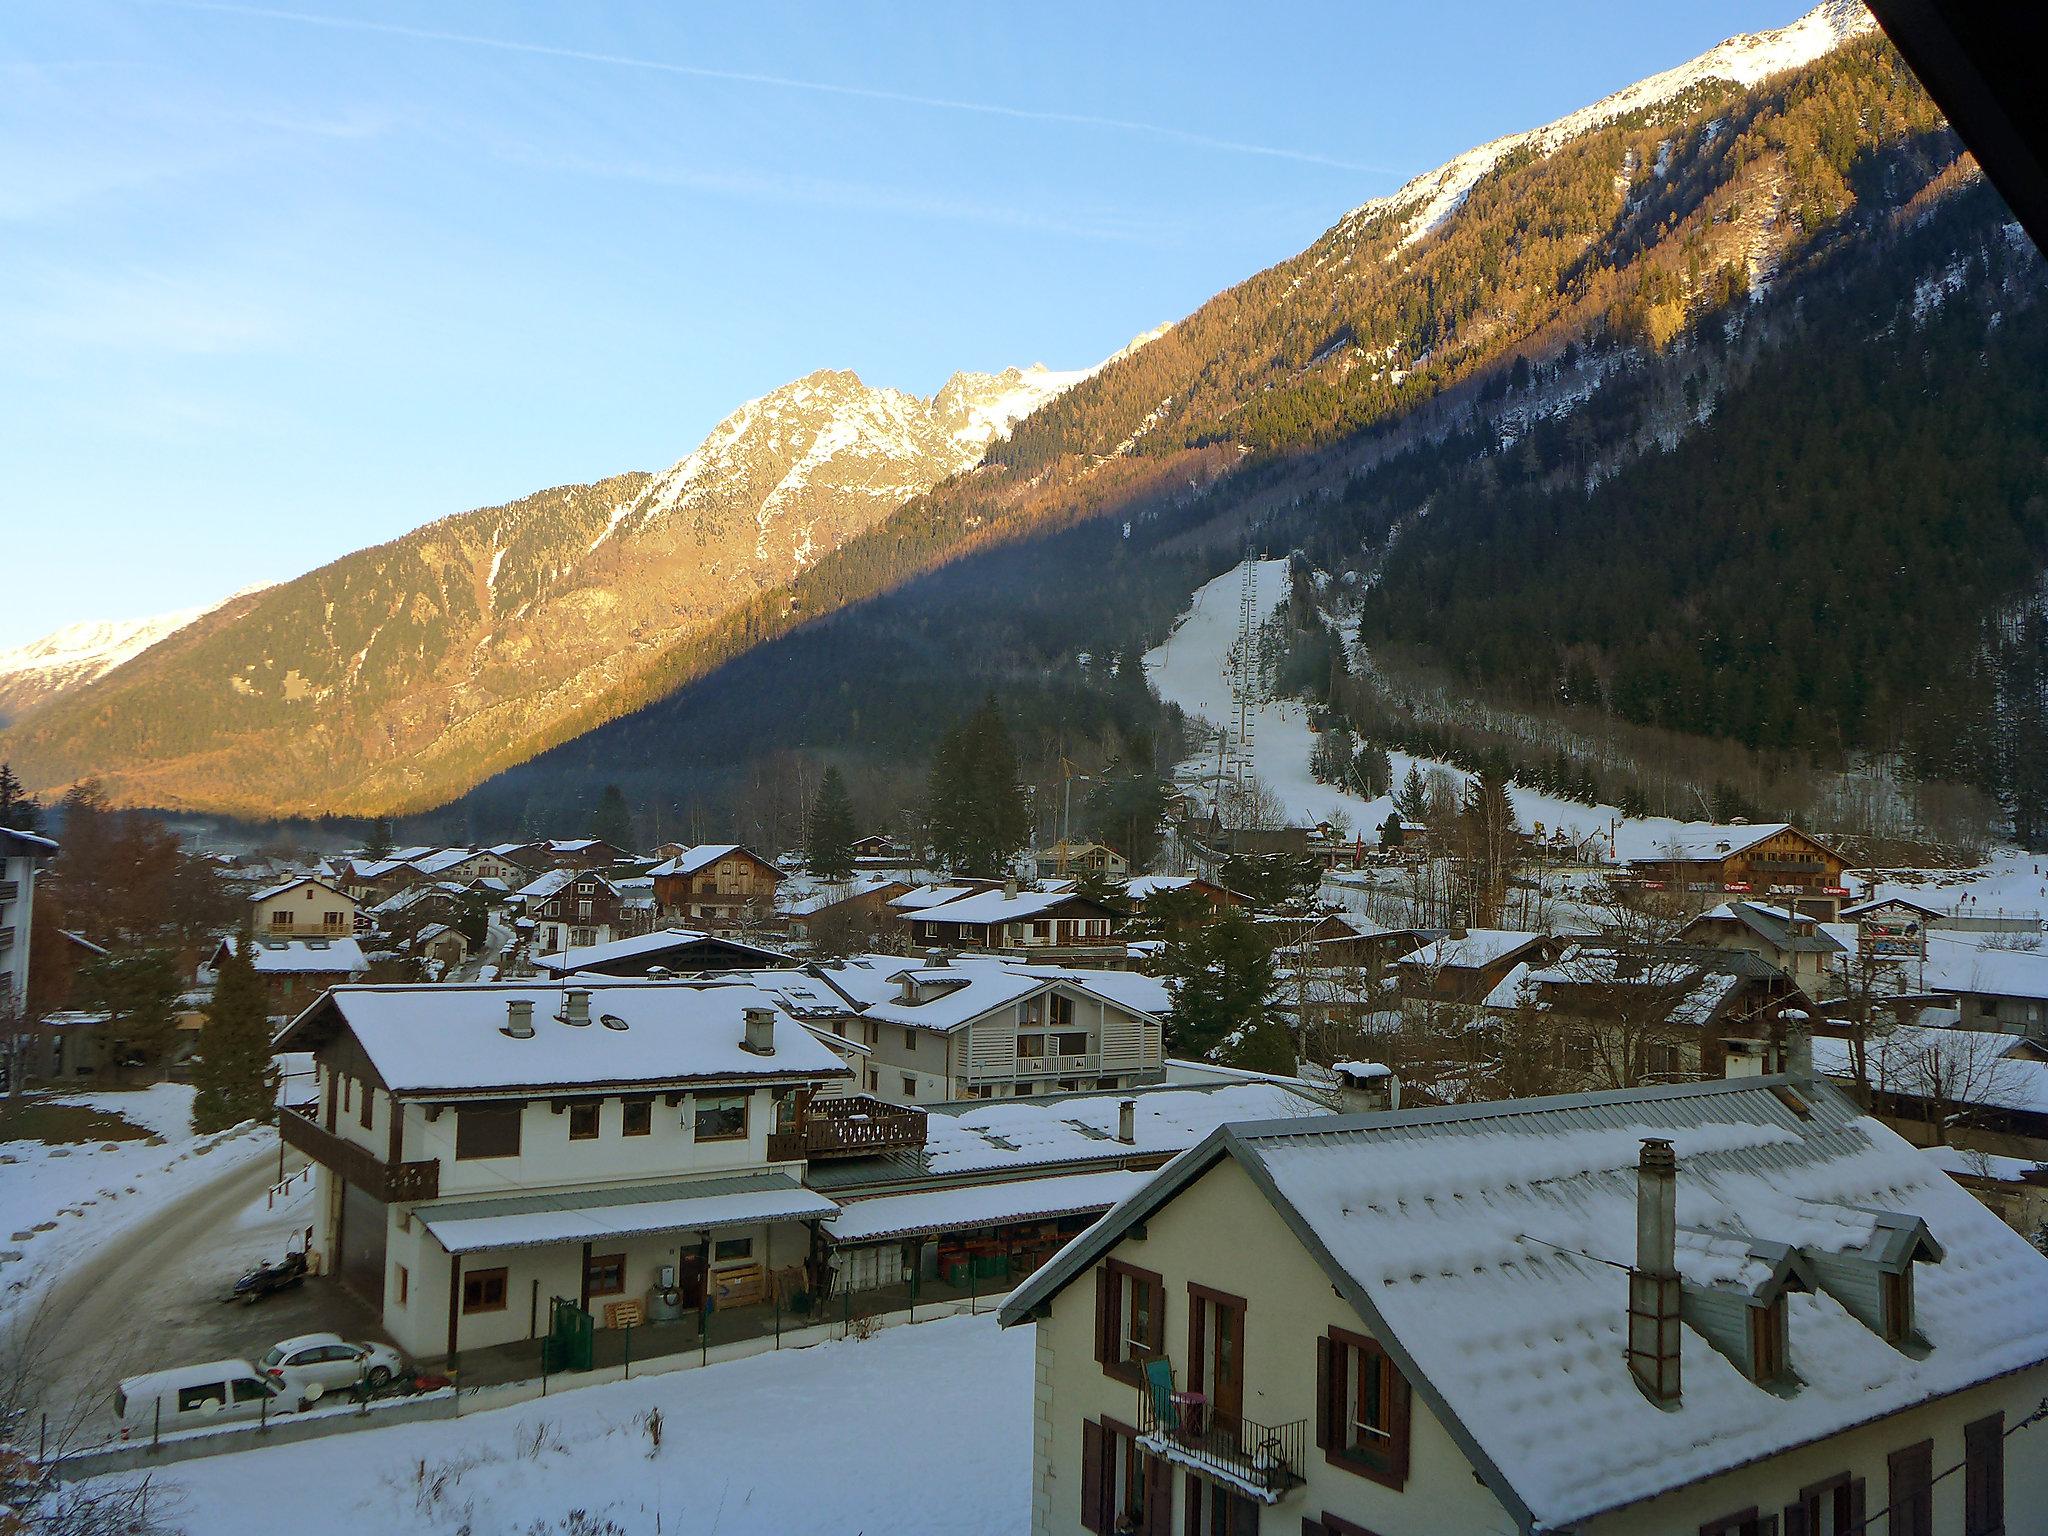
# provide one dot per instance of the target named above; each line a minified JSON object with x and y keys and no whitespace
{"x":1795,"y":1519}
{"x":1399,"y":1399}
{"x":1158,"y":1496}
{"x":1311,"y":1527}
{"x":1091,"y":1476}
{"x":1325,"y":1420}
{"x":1105,"y":1311}
{"x":1155,"y":1335}
{"x":1856,"y":1507}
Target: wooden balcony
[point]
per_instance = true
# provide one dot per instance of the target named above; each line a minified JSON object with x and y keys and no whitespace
{"x":853,"y":1126}
{"x":358,"y":1165}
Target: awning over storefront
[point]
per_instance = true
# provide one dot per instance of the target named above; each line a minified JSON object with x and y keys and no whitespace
{"x":696,"y":1205}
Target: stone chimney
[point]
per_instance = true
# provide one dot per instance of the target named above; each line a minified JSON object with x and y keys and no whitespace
{"x":1653,"y":1288}
{"x":518,"y":1018}
{"x":1010,"y":889}
{"x":576,"y":1006}
{"x":1798,"y":1063}
{"x":760,"y":1032}
{"x":1127,"y":1122}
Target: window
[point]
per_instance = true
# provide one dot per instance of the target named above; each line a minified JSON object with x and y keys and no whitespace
{"x":1746,"y":1523}
{"x":401,"y":1284}
{"x":249,"y":1390}
{"x":874,"y":1080}
{"x":483,"y":1290}
{"x":583,"y":911}
{"x":1216,"y":1353}
{"x":282,"y":917}
{"x":1767,"y":1342}
{"x":334,"y":922}
{"x":1030,"y":1047}
{"x":1215,"y":1510}
{"x":639,"y":1117}
{"x":190,"y":1398}
{"x":1075,"y":1044}
{"x":1114,"y":1477}
{"x":1361,"y":1408}
{"x":582,"y":936}
{"x":490,"y":1132}
{"x":1910,"y":1494}
{"x":1984,"y":1477}
{"x":1833,"y":1507}
{"x":910,"y":1040}
{"x":909,"y":1086}
{"x":1895,"y":1295}
{"x":727,"y":1249}
{"x":583,"y":1122}
{"x":1061,"y":1009}
{"x":604,"y":1274}
{"x":1130,"y":1319}
{"x":721,"y":1117}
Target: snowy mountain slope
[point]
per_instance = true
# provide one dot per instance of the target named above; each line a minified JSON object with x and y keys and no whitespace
{"x":77,"y":654}
{"x":399,"y":675}
{"x":1427,"y":200}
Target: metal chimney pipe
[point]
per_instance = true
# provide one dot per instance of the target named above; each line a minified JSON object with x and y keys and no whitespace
{"x":760,"y":1031}
{"x":576,"y":1006}
{"x":518,"y":1018}
{"x":1653,"y":1286}
{"x":1127,"y":1122}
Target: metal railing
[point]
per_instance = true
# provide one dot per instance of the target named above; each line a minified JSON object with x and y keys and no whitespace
{"x":1267,"y":1456}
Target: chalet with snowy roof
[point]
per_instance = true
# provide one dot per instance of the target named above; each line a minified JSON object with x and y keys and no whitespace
{"x":572,"y":908}
{"x":563,"y":853}
{"x":665,"y":952}
{"x":1456,"y":972}
{"x":1771,"y":859}
{"x":1970,"y":1088}
{"x":718,"y":887}
{"x":305,"y":905}
{"x":1056,"y":925}
{"x":1725,"y":1307}
{"x":1792,"y":941}
{"x":441,"y":945}
{"x":295,"y":971}
{"x":1077,"y":860}
{"x":879,"y":848}
{"x":484,"y":1147}
{"x":973,"y":1027}
{"x":835,"y":909}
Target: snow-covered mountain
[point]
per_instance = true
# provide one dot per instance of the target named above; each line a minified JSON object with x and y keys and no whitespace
{"x":1425,"y":201}
{"x":77,"y":654}
{"x":401,"y":674}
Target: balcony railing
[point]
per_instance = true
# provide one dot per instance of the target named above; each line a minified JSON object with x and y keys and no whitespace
{"x":358,"y":1165}
{"x":1265,"y":1460}
{"x":851,"y":1126}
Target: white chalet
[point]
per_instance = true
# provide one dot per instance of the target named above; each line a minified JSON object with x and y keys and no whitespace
{"x":484,"y":1148}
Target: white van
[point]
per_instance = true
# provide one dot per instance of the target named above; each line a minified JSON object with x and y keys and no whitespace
{"x":191,"y":1396}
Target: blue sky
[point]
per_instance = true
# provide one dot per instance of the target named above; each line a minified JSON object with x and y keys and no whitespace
{"x":281,"y":281}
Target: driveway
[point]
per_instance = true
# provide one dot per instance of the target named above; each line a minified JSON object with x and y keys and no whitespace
{"x":149,"y":1298}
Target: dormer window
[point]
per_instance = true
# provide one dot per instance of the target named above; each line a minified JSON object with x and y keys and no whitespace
{"x":1895,"y":1304}
{"x":1768,"y":1356}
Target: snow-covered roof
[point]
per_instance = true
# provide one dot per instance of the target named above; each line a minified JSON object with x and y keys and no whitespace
{"x":552,"y":882}
{"x":690,"y":860}
{"x":26,"y":842}
{"x":802,"y":897}
{"x":1777,"y":926}
{"x":1914,"y":903}
{"x":997,"y":906}
{"x":442,"y":858}
{"x":1475,"y":949}
{"x":591,"y":956}
{"x":1697,"y":841}
{"x":919,"y":897}
{"x":293,"y":884}
{"x":1487,"y":1248}
{"x":1961,"y":963}
{"x":1954,"y":1067}
{"x":981,"y":1205}
{"x":294,"y":957}
{"x":451,"y":1038}
{"x":1507,"y":993}
{"x":525,"y":1221}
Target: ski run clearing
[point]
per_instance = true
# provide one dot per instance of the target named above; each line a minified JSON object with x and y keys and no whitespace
{"x":920,"y":1429}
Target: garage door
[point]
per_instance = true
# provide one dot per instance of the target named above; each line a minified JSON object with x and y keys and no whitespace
{"x":363,"y":1219}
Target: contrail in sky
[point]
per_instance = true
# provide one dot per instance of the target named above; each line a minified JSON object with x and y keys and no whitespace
{"x":779,"y":82}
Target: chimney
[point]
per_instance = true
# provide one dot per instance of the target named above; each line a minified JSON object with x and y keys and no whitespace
{"x":518,"y":1018}
{"x":576,"y":1007}
{"x":760,"y":1032}
{"x":1127,"y":1122}
{"x":1653,"y":1289}
{"x":1798,"y":1064}
{"x":1010,"y":889}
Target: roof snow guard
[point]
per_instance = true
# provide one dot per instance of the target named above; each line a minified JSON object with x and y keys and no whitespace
{"x":1472,"y":1236}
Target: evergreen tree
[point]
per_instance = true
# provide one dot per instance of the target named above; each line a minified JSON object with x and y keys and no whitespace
{"x":1412,"y":798}
{"x":235,"y":1075}
{"x":613,"y":821}
{"x":378,"y":840}
{"x":18,"y":809}
{"x":975,"y":808}
{"x":1126,"y":813}
{"x":137,"y":989}
{"x":829,"y":834}
{"x":1372,"y":771}
{"x":1223,"y":987}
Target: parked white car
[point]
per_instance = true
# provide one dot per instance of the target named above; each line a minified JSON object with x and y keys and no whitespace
{"x":306,"y":1367}
{"x":192,"y":1395}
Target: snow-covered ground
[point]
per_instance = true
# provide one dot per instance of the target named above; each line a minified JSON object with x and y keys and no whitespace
{"x":89,"y":1191}
{"x":923,"y":1429}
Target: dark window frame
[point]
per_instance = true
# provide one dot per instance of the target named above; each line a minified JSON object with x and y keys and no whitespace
{"x":705,"y":1105}
{"x":1112,"y":1283}
{"x":637,"y":1118}
{"x":1342,"y":1374}
{"x":1909,"y":1490}
{"x":1984,"y":1476}
{"x":604,"y":1274}
{"x":487,"y":1131}
{"x":486,"y":1290}
{"x":586,"y":1121}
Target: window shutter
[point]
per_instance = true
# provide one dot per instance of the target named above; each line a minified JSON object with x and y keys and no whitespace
{"x":1158,"y":1496}
{"x":1767,"y":1525}
{"x":1856,"y":1506}
{"x":1105,"y":1316}
{"x":1325,"y":1420}
{"x":1795,"y":1520}
{"x":1399,"y":1397}
{"x":1091,"y":1476}
{"x":1311,"y":1527}
{"x":1155,"y":1332}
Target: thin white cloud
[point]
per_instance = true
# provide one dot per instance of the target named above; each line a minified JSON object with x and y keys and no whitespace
{"x":782,"y":82}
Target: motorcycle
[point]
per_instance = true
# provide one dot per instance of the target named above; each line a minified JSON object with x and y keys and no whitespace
{"x":268,"y":1279}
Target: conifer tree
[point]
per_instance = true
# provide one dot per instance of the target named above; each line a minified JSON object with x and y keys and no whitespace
{"x":975,"y":808}
{"x":613,"y":821}
{"x":1221,"y":980}
{"x":235,"y":1075}
{"x":829,"y":835}
{"x":18,"y":809}
{"x":1412,"y":798}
